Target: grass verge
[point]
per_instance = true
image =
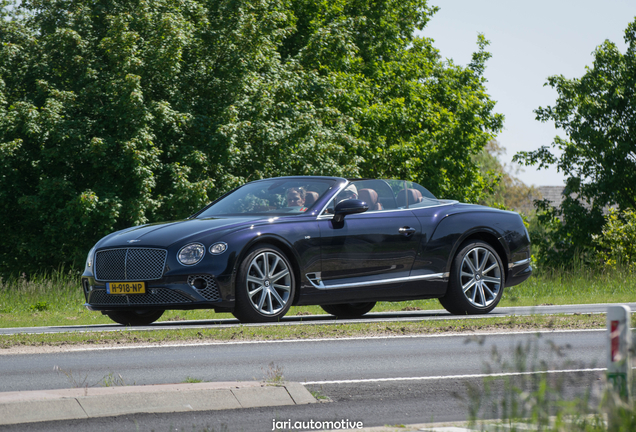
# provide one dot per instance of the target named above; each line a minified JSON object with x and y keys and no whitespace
{"x":56,"y":299}
{"x":308,"y":331}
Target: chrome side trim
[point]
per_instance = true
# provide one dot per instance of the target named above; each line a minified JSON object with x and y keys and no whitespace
{"x":316,"y":281}
{"x":518,"y":263}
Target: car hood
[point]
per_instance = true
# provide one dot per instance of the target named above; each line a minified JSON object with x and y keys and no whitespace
{"x":164,"y":234}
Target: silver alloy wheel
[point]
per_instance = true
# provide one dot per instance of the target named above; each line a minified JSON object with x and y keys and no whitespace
{"x":480,"y":277}
{"x":268,"y":283}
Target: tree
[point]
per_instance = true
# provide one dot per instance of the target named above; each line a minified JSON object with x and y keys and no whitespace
{"x":598,"y":113}
{"x":505,"y":189}
{"x":406,"y":113}
{"x":123,"y":112}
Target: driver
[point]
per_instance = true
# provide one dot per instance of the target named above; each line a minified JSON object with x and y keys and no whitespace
{"x":295,"y":197}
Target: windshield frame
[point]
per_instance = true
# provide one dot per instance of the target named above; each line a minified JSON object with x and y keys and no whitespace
{"x":278,"y":184}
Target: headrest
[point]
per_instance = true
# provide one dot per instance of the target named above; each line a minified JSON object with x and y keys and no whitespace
{"x":310,"y":198}
{"x":369,"y":196}
{"x":414,"y":195}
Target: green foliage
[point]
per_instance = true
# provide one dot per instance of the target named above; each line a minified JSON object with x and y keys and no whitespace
{"x":562,"y":237}
{"x":113,"y":380}
{"x":617,"y":243}
{"x":599,"y":158}
{"x":123,"y":112}
{"x":504,"y":189}
{"x":190,"y":380}
{"x":39,"y":306}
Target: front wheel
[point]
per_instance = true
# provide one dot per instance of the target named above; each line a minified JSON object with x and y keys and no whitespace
{"x":348,"y":310}
{"x":264,"y":286}
{"x":135,"y":317}
{"x":476,"y":280}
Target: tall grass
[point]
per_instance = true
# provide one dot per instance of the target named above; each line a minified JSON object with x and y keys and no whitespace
{"x":58,"y":290}
{"x":531,"y":399}
{"x":579,"y":285}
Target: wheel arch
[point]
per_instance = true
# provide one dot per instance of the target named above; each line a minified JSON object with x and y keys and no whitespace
{"x":281,"y":244}
{"x":487,"y":237}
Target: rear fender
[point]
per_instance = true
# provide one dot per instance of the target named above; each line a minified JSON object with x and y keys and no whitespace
{"x":455,"y":229}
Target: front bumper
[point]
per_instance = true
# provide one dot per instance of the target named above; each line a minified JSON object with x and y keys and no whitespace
{"x":177,"y":292}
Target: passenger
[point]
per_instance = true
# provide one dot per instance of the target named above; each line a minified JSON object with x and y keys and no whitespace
{"x":350,"y":192}
{"x":295,"y":197}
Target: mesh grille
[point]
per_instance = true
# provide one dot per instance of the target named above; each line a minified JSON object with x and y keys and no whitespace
{"x":210,"y":292}
{"x":154,"y":297}
{"x":109,"y":264}
{"x":128,"y":264}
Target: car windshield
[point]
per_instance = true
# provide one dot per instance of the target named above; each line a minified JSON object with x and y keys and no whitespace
{"x":275,"y":197}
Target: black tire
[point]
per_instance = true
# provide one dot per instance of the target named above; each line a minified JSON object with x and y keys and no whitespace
{"x":265,"y":285}
{"x":135,"y":317}
{"x":348,"y":310}
{"x":477,"y":280}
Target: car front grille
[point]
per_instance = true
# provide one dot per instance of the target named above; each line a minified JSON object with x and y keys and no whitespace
{"x":155,"y":296}
{"x":130,"y":264}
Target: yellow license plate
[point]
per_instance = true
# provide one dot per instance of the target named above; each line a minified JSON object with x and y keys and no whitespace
{"x":126,"y":287}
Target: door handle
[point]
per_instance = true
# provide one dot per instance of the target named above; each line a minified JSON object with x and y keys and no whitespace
{"x":406,"y":231}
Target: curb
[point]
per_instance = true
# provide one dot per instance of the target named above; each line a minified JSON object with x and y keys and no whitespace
{"x":82,"y":403}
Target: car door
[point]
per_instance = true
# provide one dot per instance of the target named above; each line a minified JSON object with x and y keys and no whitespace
{"x":375,"y":247}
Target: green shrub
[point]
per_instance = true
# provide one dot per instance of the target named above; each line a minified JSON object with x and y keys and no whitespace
{"x":617,"y":242}
{"x":39,"y":306}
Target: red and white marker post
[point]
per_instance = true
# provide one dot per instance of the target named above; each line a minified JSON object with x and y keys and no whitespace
{"x":619,"y":365}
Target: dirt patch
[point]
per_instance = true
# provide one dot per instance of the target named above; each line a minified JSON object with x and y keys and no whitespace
{"x":49,"y":349}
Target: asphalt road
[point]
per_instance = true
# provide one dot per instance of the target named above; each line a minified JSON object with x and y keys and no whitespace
{"x":325,"y":319}
{"x":379,"y":381}
{"x":392,"y":380}
{"x":374,"y":404}
{"x":298,"y":360}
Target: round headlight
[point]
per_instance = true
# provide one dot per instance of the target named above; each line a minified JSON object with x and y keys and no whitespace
{"x":218,"y":248}
{"x":191,"y":254}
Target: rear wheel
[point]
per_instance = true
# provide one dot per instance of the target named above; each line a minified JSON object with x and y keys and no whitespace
{"x":135,"y":317}
{"x":265,"y":285}
{"x":476,"y":280}
{"x":348,"y":310}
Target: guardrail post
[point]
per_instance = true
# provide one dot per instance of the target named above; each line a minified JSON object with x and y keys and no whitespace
{"x":619,"y":366}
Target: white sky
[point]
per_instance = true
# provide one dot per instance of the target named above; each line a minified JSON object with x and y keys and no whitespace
{"x":529,"y":41}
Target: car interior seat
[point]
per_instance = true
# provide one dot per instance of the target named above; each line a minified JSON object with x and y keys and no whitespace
{"x":310,"y":198}
{"x":371,"y":198}
{"x":414,"y":197}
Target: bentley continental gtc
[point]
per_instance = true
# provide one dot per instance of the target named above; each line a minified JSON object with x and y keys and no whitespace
{"x":341,"y":244}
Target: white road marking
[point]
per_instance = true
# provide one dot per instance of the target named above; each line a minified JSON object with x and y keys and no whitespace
{"x":447,"y":377}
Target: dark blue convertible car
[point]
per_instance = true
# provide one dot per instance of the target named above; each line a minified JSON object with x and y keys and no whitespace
{"x":341,"y":244}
